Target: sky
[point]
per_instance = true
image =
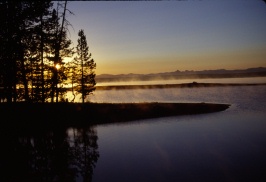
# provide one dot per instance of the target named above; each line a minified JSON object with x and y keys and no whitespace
{"x":163,"y":36}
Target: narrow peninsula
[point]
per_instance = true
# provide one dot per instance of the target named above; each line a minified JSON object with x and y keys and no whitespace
{"x":87,"y":114}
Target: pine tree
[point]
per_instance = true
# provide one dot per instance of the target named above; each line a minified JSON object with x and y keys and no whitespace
{"x":20,"y":52}
{"x":59,"y":47}
{"x":85,"y":75}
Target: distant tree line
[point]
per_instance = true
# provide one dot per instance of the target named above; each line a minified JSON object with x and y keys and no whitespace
{"x":33,"y":45}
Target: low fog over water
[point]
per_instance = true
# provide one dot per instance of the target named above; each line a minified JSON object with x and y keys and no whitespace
{"x":166,"y":94}
{"x":180,"y":81}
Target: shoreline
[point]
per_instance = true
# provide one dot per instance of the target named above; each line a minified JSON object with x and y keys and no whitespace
{"x":26,"y":115}
{"x":181,"y":85}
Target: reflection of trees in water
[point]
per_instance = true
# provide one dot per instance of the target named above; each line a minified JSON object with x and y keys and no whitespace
{"x":58,"y":155}
{"x":84,"y":149}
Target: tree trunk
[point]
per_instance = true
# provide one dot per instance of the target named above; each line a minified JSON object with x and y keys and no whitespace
{"x":82,"y":79}
{"x":42,"y":65}
{"x":57,"y":56}
{"x":24,"y":80}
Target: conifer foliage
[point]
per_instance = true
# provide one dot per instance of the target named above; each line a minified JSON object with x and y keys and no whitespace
{"x":33,"y":45}
{"x":86,"y":66}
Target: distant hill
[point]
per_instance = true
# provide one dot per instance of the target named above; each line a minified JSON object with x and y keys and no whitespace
{"x":219,"y":73}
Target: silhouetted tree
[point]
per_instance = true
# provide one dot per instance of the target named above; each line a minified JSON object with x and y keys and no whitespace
{"x":85,"y":74}
{"x":10,"y":21}
{"x":20,"y":53}
{"x":60,"y":48}
{"x":34,"y":42}
{"x":38,"y":43}
{"x":72,"y":75}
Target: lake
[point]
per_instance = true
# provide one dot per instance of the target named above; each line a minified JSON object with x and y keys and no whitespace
{"x":223,"y":146}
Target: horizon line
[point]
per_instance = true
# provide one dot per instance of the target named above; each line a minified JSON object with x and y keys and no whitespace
{"x":259,"y":67}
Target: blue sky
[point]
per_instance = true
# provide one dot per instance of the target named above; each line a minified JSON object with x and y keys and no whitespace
{"x":163,"y":36}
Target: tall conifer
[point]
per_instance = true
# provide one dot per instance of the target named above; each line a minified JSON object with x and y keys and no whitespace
{"x":86,"y":67}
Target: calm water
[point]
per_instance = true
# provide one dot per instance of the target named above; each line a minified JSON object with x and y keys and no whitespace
{"x":222,"y":146}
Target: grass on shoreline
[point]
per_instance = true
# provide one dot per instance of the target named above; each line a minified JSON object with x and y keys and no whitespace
{"x":78,"y":114}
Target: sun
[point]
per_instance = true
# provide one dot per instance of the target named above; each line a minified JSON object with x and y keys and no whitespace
{"x":57,"y":66}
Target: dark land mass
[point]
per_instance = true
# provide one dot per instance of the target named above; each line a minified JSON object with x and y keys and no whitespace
{"x":188,"y":74}
{"x":183,"y":85}
{"x":29,"y":116}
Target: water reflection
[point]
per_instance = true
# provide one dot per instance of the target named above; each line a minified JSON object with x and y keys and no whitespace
{"x":56,"y":155}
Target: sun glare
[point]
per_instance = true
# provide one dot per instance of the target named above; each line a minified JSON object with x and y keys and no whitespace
{"x":57,"y":66}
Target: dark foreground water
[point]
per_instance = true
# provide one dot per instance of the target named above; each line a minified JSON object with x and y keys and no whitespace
{"x":222,"y":146}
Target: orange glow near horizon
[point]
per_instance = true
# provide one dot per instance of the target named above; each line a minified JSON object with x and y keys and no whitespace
{"x":196,"y":62}
{"x":172,"y":35}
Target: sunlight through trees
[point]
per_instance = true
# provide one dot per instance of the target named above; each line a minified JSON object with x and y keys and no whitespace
{"x":34,"y":43}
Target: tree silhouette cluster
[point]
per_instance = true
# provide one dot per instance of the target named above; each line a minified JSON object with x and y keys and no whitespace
{"x":33,"y":45}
